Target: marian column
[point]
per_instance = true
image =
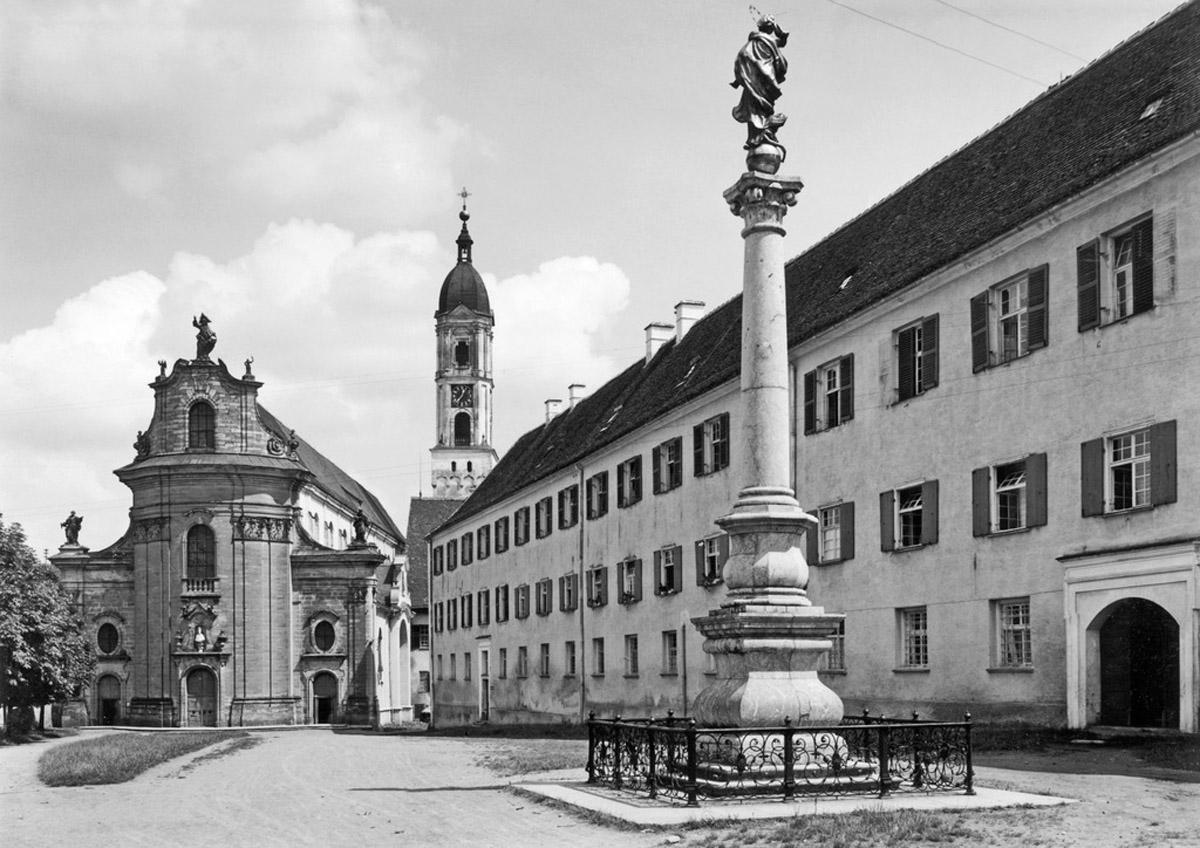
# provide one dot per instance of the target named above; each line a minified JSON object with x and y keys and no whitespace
{"x":767,"y":638}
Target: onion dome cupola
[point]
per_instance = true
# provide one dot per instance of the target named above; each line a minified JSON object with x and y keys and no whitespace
{"x":463,"y":286}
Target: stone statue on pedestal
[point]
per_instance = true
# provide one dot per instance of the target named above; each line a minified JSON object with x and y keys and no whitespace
{"x":71,"y":526}
{"x":758,"y":70}
{"x":361,"y":525}
{"x":206,"y":339}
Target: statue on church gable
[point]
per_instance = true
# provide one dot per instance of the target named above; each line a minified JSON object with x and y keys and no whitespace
{"x":758,"y":70}
{"x":71,"y":525}
{"x":361,"y":526}
{"x":206,"y":339}
{"x":142,"y":445}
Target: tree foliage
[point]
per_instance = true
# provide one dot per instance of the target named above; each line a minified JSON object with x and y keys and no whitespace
{"x":43,"y":650}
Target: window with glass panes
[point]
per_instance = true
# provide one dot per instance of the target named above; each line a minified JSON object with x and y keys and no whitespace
{"x":835,"y":660}
{"x":569,"y":659}
{"x":670,"y":652}
{"x":483,"y":541}
{"x":502,"y":603}
{"x":501,"y":527}
{"x":1012,"y":319}
{"x":631,"y":655}
{"x":1010,"y":496}
{"x":830,"y":518}
{"x":598,"y":655}
{"x":1129,"y":470}
{"x":914,"y":636}
{"x":909,"y":515}
{"x":544,"y":659}
{"x":568,"y":507}
{"x":1014,"y":641}
{"x":502,"y":663}
{"x":597,"y":495}
{"x":522,"y":661}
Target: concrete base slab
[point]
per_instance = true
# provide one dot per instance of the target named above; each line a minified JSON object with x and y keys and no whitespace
{"x":643,"y":811}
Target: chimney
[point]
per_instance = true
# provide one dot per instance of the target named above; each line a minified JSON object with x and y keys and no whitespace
{"x":576,"y":392}
{"x":657,"y":334}
{"x":553,"y":407}
{"x":687,"y":313}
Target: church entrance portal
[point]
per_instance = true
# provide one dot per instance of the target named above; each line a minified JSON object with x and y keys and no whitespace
{"x":324,"y":694}
{"x":1139,"y":666}
{"x":201,"y":698}
{"x":108,"y":692}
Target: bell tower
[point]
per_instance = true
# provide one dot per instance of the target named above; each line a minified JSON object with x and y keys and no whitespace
{"x":463,"y":454}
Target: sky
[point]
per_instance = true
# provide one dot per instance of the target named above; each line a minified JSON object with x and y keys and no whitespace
{"x":292,"y":167}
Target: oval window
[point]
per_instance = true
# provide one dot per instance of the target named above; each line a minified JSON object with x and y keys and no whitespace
{"x":108,"y":638}
{"x":323,"y":635}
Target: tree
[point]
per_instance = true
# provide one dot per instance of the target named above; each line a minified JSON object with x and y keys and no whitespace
{"x":44,"y":654}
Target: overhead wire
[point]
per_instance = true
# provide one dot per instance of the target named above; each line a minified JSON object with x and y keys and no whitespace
{"x":998,"y":25}
{"x":942,"y":44}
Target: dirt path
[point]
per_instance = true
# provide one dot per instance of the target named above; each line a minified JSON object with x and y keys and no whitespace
{"x":296,"y":788}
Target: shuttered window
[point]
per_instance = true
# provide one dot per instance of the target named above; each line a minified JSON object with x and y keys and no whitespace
{"x":908,"y":517}
{"x":1009,"y":320}
{"x":1009,"y":496}
{"x":1115,"y":275}
{"x":668,"y":570}
{"x":711,"y":554}
{"x":1128,"y":471}
{"x":710,"y":445}
{"x":829,"y":395}
{"x":832,"y":539}
{"x":917,"y":358}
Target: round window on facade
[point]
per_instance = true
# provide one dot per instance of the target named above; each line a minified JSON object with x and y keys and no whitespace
{"x":108,"y":638}
{"x":323,"y":636}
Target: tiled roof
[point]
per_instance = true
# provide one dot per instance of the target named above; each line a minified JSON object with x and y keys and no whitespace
{"x":424,"y":516}
{"x":336,"y":482}
{"x":1071,"y":137}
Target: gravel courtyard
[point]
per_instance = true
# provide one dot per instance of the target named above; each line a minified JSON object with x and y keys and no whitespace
{"x":313,"y":787}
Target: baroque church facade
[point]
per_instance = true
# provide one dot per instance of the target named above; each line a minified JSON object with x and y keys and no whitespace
{"x":257,"y":582}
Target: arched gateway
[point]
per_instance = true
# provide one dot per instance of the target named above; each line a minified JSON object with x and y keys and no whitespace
{"x":1138,"y":650}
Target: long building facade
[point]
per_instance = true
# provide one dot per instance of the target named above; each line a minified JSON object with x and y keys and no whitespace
{"x":257,"y":582}
{"x":993,"y":426}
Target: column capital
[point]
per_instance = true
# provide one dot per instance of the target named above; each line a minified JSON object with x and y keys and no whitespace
{"x":761,"y":200}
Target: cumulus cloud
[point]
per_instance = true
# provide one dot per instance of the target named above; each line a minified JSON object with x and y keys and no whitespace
{"x":341,"y":331}
{"x":305,"y":107}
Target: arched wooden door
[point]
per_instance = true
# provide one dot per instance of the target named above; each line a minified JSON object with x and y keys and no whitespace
{"x":1139,"y":666}
{"x":201,"y":698}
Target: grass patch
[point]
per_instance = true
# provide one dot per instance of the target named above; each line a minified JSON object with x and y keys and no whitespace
{"x":1019,"y":736}
{"x":1178,"y":753}
{"x":859,"y":829}
{"x":118,"y":757}
{"x":523,"y":756}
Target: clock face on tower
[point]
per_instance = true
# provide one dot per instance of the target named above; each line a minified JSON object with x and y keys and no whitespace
{"x":462,"y":397}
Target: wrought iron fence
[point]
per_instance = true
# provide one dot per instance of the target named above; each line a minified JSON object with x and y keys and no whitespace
{"x":676,"y":759}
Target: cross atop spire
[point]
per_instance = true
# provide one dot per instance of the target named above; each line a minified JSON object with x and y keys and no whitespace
{"x":464,"y":237}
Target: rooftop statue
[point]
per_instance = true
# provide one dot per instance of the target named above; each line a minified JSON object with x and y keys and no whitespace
{"x":71,"y":526}
{"x":758,"y":71}
{"x":206,"y":339}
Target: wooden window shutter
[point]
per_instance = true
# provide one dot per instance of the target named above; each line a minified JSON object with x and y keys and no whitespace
{"x":699,"y":562}
{"x":637,"y":579}
{"x":979,"y":332}
{"x":698,"y":450}
{"x":603,"y":599}
{"x":907,"y":344}
{"x":589,"y":499}
{"x":727,"y":439}
{"x":658,"y":584}
{"x":1037,"y":309}
{"x":810,"y":402}
{"x":562,"y":595}
{"x":846,"y":392}
{"x":1036,"y":502}
{"x":474,"y":356}
{"x":887,"y":520}
{"x":847,"y":530}
{"x":929,"y":353}
{"x":1162,"y":463}
{"x":981,"y":501}
{"x":1143,"y":266}
{"x":929,"y":512}
{"x":1087,"y":292}
{"x":1091,"y":477}
{"x":622,"y":495}
{"x":677,"y":575}
{"x":655,"y":457}
{"x":722,"y":549}
{"x":812,"y":548}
